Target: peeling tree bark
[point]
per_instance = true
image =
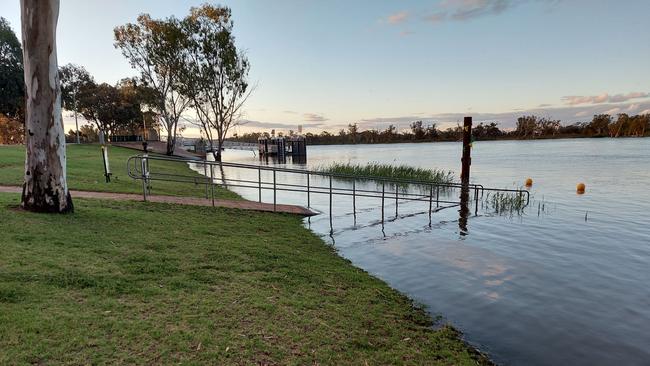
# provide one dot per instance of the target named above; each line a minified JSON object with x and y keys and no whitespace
{"x":45,"y":188}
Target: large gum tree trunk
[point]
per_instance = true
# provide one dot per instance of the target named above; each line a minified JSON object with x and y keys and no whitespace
{"x":45,"y":188}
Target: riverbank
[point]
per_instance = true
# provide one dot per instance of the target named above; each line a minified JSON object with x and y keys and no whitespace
{"x":86,"y":173}
{"x":154,"y":283}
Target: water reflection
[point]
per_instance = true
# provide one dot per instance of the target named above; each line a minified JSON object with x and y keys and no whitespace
{"x":299,"y":160}
{"x":463,"y":210}
{"x":529,"y":289}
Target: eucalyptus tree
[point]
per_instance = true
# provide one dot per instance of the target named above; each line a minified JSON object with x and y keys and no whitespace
{"x":45,"y":188}
{"x":111,"y":108}
{"x":215,"y":72}
{"x":73,"y":79}
{"x":96,"y":104}
{"x":156,"y":48}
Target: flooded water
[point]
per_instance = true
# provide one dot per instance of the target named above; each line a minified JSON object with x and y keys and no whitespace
{"x":567,"y":282}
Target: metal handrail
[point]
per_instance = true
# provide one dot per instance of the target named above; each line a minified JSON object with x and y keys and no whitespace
{"x":142,"y":171}
{"x":315,"y":172}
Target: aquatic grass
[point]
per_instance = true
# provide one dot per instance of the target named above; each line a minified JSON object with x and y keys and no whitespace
{"x":401,"y":171}
{"x":505,"y":203}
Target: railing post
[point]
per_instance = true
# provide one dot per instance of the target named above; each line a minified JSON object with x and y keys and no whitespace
{"x":437,"y":196}
{"x":143,"y":166}
{"x":383,"y":192}
{"x":308,"y":188}
{"x":476,"y":199}
{"x":354,"y":199}
{"x":430,"y":202}
{"x":205,"y":174}
{"x":330,"y":202}
{"x":259,"y":184}
{"x":274,"y":193}
{"x":212,"y":183}
{"x":396,"y":200}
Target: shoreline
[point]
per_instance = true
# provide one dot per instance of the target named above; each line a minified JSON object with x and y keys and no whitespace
{"x":282,"y":279}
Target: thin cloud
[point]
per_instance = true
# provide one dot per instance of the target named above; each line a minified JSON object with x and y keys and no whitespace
{"x":465,"y":10}
{"x":612,"y":111}
{"x":544,"y":105}
{"x":313,"y":117}
{"x":567,"y":114}
{"x":277,"y":125}
{"x":603,"y":98}
{"x":406,"y":33}
{"x":397,"y":18}
{"x":436,"y":17}
{"x":470,"y":9}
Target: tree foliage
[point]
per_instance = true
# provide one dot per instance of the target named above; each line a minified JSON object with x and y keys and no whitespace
{"x":156,"y":49}
{"x":74,"y":79}
{"x":12,"y":82}
{"x":113,"y":109}
{"x":87,"y":134}
{"x":12,"y":87}
{"x":215,"y":72}
{"x":12,"y":130}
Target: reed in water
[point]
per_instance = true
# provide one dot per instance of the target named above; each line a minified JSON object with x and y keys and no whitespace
{"x":389,"y":171}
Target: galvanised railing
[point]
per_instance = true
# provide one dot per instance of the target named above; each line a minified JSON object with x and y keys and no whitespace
{"x":138,"y":167}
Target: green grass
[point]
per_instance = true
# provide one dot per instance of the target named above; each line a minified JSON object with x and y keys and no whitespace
{"x":85,"y":171}
{"x":389,"y":171}
{"x":145,"y":283}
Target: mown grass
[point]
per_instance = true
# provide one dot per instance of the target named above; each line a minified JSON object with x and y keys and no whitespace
{"x":85,"y":171}
{"x":389,"y":171}
{"x":145,"y":283}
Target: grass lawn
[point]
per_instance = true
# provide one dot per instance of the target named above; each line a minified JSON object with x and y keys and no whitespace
{"x":86,"y":172}
{"x":146,"y":283}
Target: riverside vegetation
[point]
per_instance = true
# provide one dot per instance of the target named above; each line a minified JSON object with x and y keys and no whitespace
{"x":502,"y":203}
{"x":148,"y":283}
{"x":527,"y":127}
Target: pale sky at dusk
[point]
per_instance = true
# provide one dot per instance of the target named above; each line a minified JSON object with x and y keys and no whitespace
{"x":324,"y":64}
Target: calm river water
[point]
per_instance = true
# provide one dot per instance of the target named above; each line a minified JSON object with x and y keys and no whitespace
{"x":567,"y":282}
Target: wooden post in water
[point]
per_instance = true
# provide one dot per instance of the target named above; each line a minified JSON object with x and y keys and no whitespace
{"x":464,"y":176}
{"x":467,"y":151}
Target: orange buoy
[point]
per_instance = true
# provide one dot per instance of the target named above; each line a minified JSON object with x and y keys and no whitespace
{"x":529,"y":182}
{"x":580,"y":188}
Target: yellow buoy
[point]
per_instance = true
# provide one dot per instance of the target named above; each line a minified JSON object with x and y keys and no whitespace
{"x":529,"y":182}
{"x":580,"y":188}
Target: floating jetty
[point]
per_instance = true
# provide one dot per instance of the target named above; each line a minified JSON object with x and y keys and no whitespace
{"x":282,"y":146}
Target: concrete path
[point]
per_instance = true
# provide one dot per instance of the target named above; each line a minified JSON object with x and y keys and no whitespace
{"x":192,"y":201}
{"x":159,"y":147}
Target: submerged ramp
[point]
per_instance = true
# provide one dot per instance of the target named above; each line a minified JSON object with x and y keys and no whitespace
{"x":191,"y":201}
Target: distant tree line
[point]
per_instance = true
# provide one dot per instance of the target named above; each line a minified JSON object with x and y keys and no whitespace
{"x":528,"y":127}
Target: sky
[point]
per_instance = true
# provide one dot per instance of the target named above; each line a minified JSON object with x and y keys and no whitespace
{"x":324,"y":64}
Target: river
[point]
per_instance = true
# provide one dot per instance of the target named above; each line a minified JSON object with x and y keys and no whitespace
{"x":566,"y":282}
